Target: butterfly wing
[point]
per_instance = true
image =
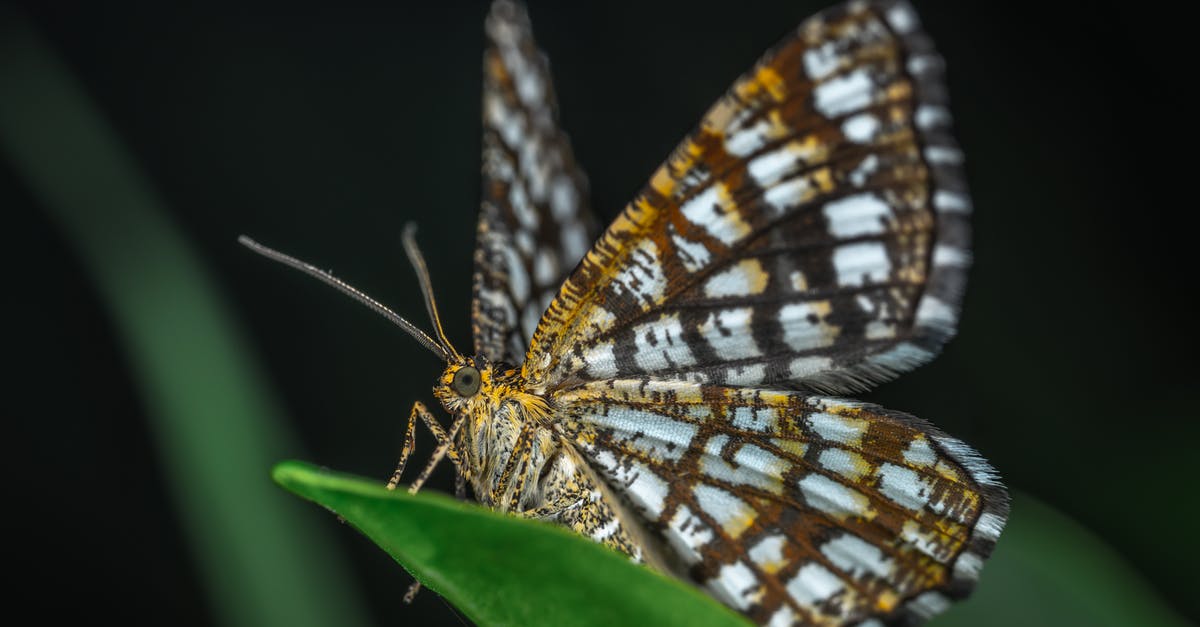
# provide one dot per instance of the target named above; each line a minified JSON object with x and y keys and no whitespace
{"x":794,"y":508}
{"x":812,"y":231}
{"x":534,"y":224}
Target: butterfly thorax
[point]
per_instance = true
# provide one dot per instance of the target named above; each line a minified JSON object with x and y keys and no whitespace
{"x":516,"y":460}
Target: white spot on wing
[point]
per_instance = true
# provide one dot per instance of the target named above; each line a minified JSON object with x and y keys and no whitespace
{"x":783,"y":617}
{"x":844,"y":94}
{"x":821,"y":61}
{"x":968,"y":565}
{"x":768,"y":552}
{"x":951,"y":202}
{"x":831,"y":497}
{"x":856,"y":556}
{"x":989,"y":526}
{"x":689,"y":534}
{"x":921,"y":64}
{"x":645,"y":489}
{"x":842,"y":462}
{"x":861,"y":128}
{"x":919,"y":453}
{"x":903,"y":486}
{"x":860,"y":260}
{"x":650,"y":432}
{"x":575,"y":242}
{"x":519,"y":200}
{"x":813,"y":584}
{"x":737,"y":583}
{"x":929,"y":604}
{"x":935,"y":311}
{"x":601,"y":363}
{"x":804,"y":327}
{"x":787,"y":195}
{"x":545,"y":270}
{"x":564,"y":200}
{"x":807,"y":366}
{"x":772,"y":166}
{"x":660,"y":345}
{"x":518,"y":279}
{"x":732,"y":513}
{"x":642,"y":275}
{"x":754,"y":467}
{"x":931,"y":116}
{"x":693,"y":255}
{"x":763,"y":419}
{"x":742,"y":279}
{"x":858,"y":176}
{"x":860,"y":214}
{"x":943,"y":155}
{"x":944,"y":255}
{"x":836,"y":428}
{"x":709,"y":212}
{"x":748,"y":140}
{"x":749,"y":374}
{"x":902,"y":19}
{"x":728,"y":332}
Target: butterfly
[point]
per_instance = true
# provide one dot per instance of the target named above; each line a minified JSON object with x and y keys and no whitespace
{"x":670,"y":387}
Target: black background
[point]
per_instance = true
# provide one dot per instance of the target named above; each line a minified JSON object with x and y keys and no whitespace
{"x":322,"y":130}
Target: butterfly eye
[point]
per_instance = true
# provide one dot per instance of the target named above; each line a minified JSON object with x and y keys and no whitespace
{"x":466,"y":381}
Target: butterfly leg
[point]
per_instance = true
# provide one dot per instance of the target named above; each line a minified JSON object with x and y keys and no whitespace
{"x":445,"y":446}
{"x":460,"y":485}
{"x":521,"y":452}
{"x":445,"y":449}
{"x":554,"y":510}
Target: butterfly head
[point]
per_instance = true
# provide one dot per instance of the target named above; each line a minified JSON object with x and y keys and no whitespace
{"x":476,"y":385}
{"x":464,"y":383}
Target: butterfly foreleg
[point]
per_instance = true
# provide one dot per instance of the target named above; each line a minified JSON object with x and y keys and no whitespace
{"x":445,"y":446}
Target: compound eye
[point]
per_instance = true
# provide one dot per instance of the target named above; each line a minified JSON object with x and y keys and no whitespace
{"x":466,"y":381}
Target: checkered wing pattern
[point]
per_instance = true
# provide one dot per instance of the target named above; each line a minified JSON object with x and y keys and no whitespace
{"x":811,"y":232}
{"x":793,"y":508}
{"x":534,"y":225}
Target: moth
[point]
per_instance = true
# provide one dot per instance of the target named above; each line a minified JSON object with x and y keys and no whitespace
{"x":674,"y":389}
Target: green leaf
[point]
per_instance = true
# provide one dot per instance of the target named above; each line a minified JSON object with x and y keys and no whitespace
{"x":500,"y":570}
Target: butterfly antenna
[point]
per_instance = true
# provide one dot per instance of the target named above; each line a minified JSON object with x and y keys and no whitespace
{"x":418,"y":262}
{"x":351,"y":291}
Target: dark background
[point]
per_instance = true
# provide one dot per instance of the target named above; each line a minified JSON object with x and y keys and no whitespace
{"x":322,"y":130}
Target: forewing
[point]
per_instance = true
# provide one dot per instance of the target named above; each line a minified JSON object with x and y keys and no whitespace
{"x":811,"y":232}
{"x":794,"y":508}
{"x":534,"y":223}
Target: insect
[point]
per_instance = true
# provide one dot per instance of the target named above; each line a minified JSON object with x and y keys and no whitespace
{"x":671,"y":390}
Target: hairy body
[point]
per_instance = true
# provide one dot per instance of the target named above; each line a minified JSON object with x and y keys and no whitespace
{"x":517,"y":459}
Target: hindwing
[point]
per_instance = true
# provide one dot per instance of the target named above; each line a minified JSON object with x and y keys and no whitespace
{"x":795,"y":508}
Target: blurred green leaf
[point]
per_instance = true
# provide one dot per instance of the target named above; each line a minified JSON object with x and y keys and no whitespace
{"x":215,"y":424}
{"x":501,"y":570}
